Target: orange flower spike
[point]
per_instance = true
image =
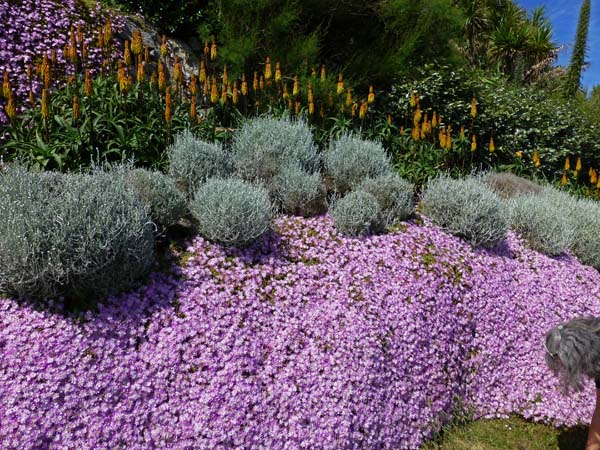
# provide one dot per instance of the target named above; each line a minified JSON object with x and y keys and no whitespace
{"x":323,"y":73}
{"x":127,"y":54}
{"x":193,"y":86}
{"x":75,"y":107}
{"x":340,"y":84}
{"x":277,"y":72}
{"x":371,"y":97}
{"x":224,"y":93}
{"x":6,"y":85}
{"x":564,"y":179}
{"x":225,"y":75}
{"x":412,"y":101}
{"x":107,"y":33}
{"x":296,"y":88}
{"x":213,"y":50}
{"x":214,"y":91}
{"x":348,"y":98}
{"x":10,"y":108}
{"x":462,"y":132}
{"x":206,"y":49}
{"x":244,"y":85}
{"x":353,"y":110}
{"x":297,"y":107}
{"x":434,"y":120}
{"x":309,"y":93}
{"x":178,"y":72}
{"x":255,"y":82}
{"x":31,"y":98}
{"x":168,"y":106}
{"x":163,"y":46}
{"x":45,"y":103}
{"x":88,"y":82}
{"x":137,"y":43}
{"x":261,"y":83}
{"x":268,"y":73}
{"x":578,"y":164}
{"x":311,"y":108}
{"x":235,"y":95}
{"x":492,"y":146}
{"x":140,"y":69}
{"x":202,"y":72}
{"x":162,"y":80}
{"x":193,"y":112}
{"x":473,"y":107}
{"x":416,"y":134}
{"x":449,"y":141}
{"x":364,"y":108}
{"x":285,"y":93}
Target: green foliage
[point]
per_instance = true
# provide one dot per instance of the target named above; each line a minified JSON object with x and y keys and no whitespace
{"x":350,"y":159}
{"x":192,"y":161}
{"x":466,"y":208}
{"x":540,"y":219}
{"x":357,"y":214}
{"x":264,"y":145}
{"x":579,"y":50}
{"x":299,"y":192}
{"x":166,"y":203}
{"x":84,"y":235}
{"x":232,"y":212}
{"x":112,"y":126}
{"x":394,"y":194}
{"x":586,"y":218}
{"x":508,"y":185}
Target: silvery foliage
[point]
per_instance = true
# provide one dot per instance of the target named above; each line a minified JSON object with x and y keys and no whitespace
{"x":357,"y":214}
{"x":466,"y":208}
{"x":298,"y":192}
{"x":264,"y":146}
{"x":193,"y":161}
{"x":508,"y":185}
{"x":542,"y":221}
{"x":167,"y":204}
{"x":394,"y":194}
{"x":231,"y":211}
{"x":585,"y":246}
{"x":77,"y":234}
{"x":350,"y":159}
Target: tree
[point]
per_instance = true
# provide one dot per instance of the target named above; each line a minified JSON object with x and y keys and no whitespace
{"x":579,"y":51}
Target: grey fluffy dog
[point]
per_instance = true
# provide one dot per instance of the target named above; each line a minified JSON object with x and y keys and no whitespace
{"x":573,"y":351}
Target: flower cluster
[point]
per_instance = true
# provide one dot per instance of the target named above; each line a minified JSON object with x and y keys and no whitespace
{"x":304,"y":340}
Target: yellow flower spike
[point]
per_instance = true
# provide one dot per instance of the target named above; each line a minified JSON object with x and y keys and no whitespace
{"x":224,"y":93}
{"x":567,"y":164}
{"x":323,"y":73}
{"x":206,"y":49}
{"x":389,"y":119}
{"x":225,"y":75}
{"x":519,"y":154}
{"x":6,"y":85}
{"x":193,"y":112}
{"x":137,"y":43}
{"x":206,"y":87}
{"x":598,"y":183}
{"x":255,"y":82}
{"x":213,"y":50}
{"x":564,"y":179}
{"x":277,"y":72}
{"x":107,"y":32}
{"x":363,"y":110}
{"x":578,"y":164}
{"x":296,"y":88}
{"x":73,"y":46}
{"x":10,"y":108}
{"x":297,"y":107}
{"x":473,"y":143}
{"x":434,"y":120}
{"x":594,"y":177}
{"x":536,"y":159}
{"x":417,"y":116}
{"x":168,"y":106}
{"x":285,"y":93}
{"x":462,"y":132}
{"x":202,"y":72}
{"x":214,"y":92}
{"x":442,"y":138}
{"x":31,"y":98}
{"x":261,"y":83}
{"x":193,"y":85}
{"x":413,"y":101}
{"x":575,"y":174}
{"x":353,"y":110}
{"x":163,"y":46}
{"x":348,"y":98}
{"x":371,"y":97}
{"x":162,"y":80}
{"x":244,"y":85}
{"x":140,"y":69}
{"x":448,"y":141}
{"x":311,"y":108}
{"x":127,"y":54}
{"x":416,"y":134}
{"x":235,"y":96}
{"x":473,"y":107}
{"x":309,"y":93}
{"x":492,"y":146}
{"x":45,"y":103}
{"x":268,"y":73}
{"x":121,"y":77}
{"x":75,"y":107}
{"x":340,"y":84}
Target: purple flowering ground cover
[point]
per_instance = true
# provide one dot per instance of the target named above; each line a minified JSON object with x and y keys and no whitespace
{"x":307,"y":340}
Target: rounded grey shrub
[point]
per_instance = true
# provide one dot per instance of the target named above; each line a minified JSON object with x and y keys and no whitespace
{"x":167,"y":204}
{"x":231,"y":211}
{"x":87,"y":236}
{"x":508,"y":185}
{"x":299,"y":192}
{"x":586,"y":221}
{"x":394,"y":194}
{"x":350,"y":159}
{"x":540,"y":219}
{"x":264,"y":145}
{"x":193,"y":161}
{"x":357,"y":214}
{"x":466,"y":208}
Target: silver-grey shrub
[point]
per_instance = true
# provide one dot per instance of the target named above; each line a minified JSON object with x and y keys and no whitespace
{"x":540,"y":219}
{"x":84,"y":235}
{"x":466,"y":208}
{"x":264,"y":145}
{"x":586,"y":220}
{"x":231,"y":211}
{"x":299,"y":192}
{"x":193,"y":161}
{"x":167,"y":204}
{"x":508,"y":185}
{"x":394,"y":194}
{"x":350,"y":159}
{"x":357,"y":214}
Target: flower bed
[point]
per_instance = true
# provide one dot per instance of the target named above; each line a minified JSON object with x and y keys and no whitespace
{"x":306,"y":340}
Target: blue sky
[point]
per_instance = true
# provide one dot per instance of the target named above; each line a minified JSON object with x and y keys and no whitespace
{"x":564,"y":15}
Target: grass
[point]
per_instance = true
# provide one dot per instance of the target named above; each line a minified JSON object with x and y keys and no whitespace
{"x":510,"y":434}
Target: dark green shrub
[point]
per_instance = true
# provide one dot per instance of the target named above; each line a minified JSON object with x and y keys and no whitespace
{"x":350,"y":159}
{"x":232,"y":212}
{"x":466,"y":208}
{"x":192,"y":161}
{"x":507,"y":185}
{"x":263,"y":146}
{"x":357,"y":214}
{"x":299,"y":192}
{"x":166,"y":203}
{"x":394,"y":194}
{"x":84,"y":235}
